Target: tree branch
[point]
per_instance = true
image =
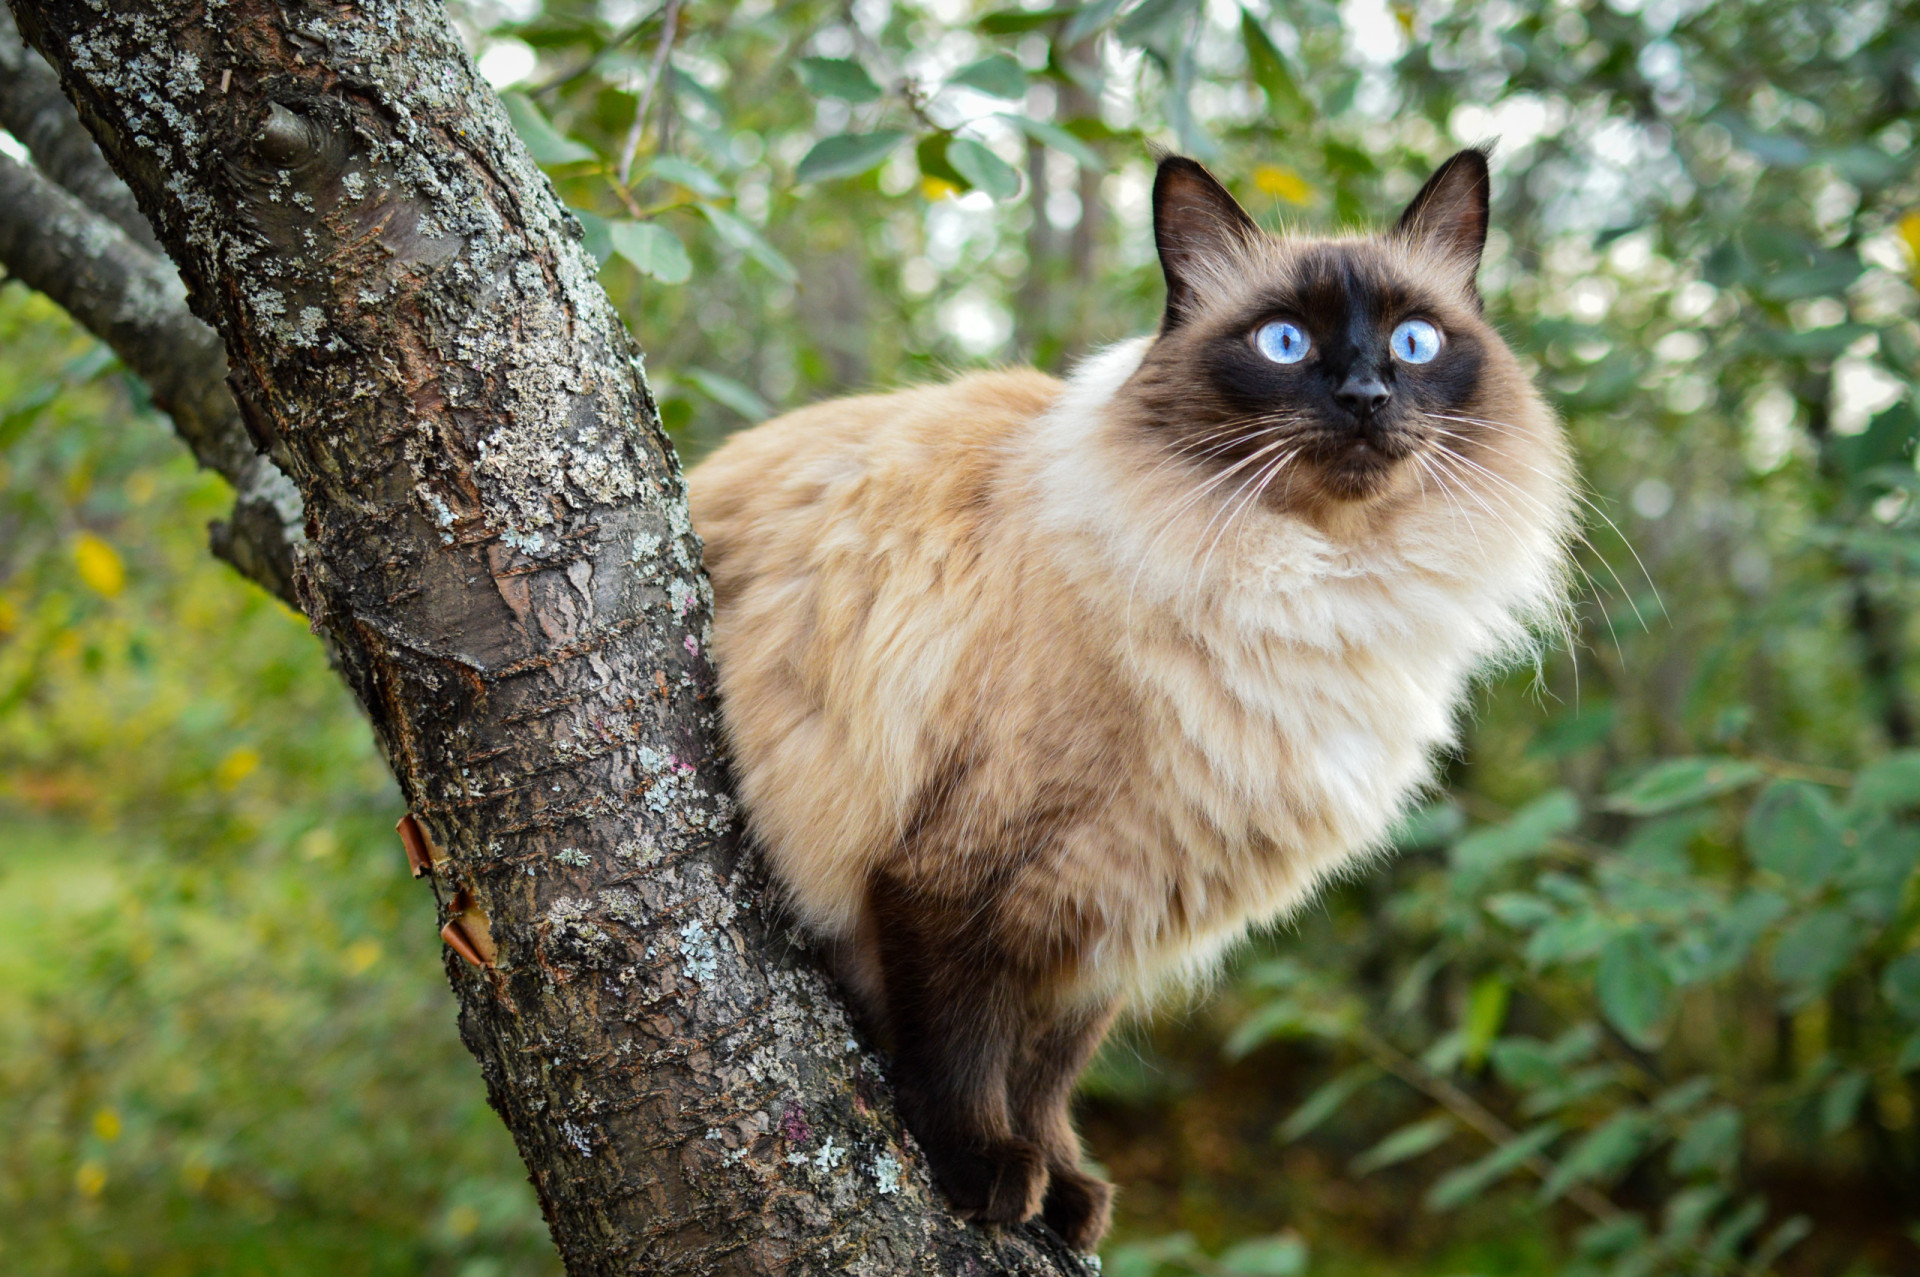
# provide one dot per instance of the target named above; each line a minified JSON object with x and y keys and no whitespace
{"x":501,"y":556}
{"x":33,"y":109}
{"x":132,"y":300}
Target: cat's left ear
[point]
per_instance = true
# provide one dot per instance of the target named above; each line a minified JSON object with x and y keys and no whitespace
{"x":1449,"y":215}
{"x":1196,"y":224}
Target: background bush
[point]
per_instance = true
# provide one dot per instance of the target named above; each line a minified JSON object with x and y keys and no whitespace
{"x":1640,"y":991}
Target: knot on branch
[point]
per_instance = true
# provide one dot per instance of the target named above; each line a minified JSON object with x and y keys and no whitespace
{"x":286,"y":139}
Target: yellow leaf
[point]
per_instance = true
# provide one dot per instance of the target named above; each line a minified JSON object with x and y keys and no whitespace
{"x":362,"y":954}
{"x":1910,"y":236}
{"x":106,"y":1124}
{"x":90,"y":1179}
{"x":141,"y":487}
{"x":100,"y":565}
{"x":1404,"y":16}
{"x":1283,"y":183}
{"x":937,"y":188}
{"x":9,"y":618}
{"x":236,"y":767}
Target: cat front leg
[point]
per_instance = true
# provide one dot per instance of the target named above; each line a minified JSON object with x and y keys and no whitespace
{"x":1057,"y":1045}
{"x":952,"y":1006}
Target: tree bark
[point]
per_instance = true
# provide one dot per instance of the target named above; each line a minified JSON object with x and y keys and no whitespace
{"x":497,"y":548}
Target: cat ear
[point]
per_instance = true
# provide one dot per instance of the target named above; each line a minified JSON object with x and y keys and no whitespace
{"x":1195,"y":221}
{"x":1450,"y":212}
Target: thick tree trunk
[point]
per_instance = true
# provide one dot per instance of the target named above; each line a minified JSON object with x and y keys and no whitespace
{"x":497,"y":547}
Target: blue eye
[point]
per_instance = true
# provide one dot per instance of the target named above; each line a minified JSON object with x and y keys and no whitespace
{"x":1416,"y":341}
{"x":1282,"y":342}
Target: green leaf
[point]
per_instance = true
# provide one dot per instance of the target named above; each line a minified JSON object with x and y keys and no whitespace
{"x":1781,"y":1240}
{"x":1020,"y":21}
{"x":1813,"y":950}
{"x":1462,"y":1185}
{"x":1091,"y":19}
{"x":1794,"y":831}
{"x":1737,"y":929}
{"x":1841,"y":1100}
{"x":1147,"y":17}
{"x":1147,"y":1258}
{"x":847,"y":155}
{"x":1687,"y":1213}
{"x":1268,"y":66}
{"x":1526,"y":1063}
{"x":671,"y":168}
{"x":1676,"y":1100}
{"x":841,"y":78}
{"x":1434,"y":825}
{"x":930,"y":152}
{"x":1887,"y":784}
{"x":1486,"y":1012}
{"x":1408,"y":1142}
{"x":1525,"y":833}
{"x":1678,"y":782}
{"x":1521,"y":911}
{"x":1900,"y":984}
{"x":545,"y":143}
{"x":1574,"y":733}
{"x":1325,"y":1102}
{"x":727,"y":391}
{"x":1909,"y":1058}
{"x":1633,"y":986}
{"x":1600,"y":1153}
{"x":744,"y":237}
{"x":1710,"y":1142}
{"x":982,"y":168}
{"x":1569,"y":938}
{"x":1282,"y":1255}
{"x":1283,"y":1017}
{"x":1059,"y":139}
{"x":1830,"y":275}
{"x":1875,"y":875}
{"x":653,"y":249}
{"x":997,"y":76}
{"x":1734,"y":1229}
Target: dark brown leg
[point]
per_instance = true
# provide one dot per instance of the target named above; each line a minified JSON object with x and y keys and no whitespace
{"x":1078,"y":1205}
{"x":952,"y":1005}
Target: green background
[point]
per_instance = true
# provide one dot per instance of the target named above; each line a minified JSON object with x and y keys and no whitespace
{"x":1639,"y":993}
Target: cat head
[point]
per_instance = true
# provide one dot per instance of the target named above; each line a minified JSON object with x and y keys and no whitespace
{"x":1330,"y":371}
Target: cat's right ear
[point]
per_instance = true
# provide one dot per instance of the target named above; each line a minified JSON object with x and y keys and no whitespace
{"x":1450,"y":212}
{"x":1196,"y":224}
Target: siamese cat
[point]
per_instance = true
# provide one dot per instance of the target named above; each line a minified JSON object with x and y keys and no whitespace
{"x":1041,"y":694}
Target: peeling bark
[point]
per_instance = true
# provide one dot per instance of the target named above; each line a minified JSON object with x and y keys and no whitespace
{"x":498,"y":550}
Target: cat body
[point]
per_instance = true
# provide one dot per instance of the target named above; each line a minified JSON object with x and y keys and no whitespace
{"x":1040,"y":694}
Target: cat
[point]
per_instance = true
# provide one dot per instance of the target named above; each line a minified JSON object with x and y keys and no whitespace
{"x":1039,"y":695}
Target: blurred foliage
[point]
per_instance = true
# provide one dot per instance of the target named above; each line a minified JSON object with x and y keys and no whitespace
{"x":1639,"y":994}
{"x":223,"y":1048}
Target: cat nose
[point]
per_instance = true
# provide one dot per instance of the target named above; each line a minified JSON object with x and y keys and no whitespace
{"x":1363,"y":393}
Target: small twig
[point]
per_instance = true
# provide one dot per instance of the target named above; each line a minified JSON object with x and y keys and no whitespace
{"x":562,"y":80}
{"x":1783,"y":769}
{"x":669,"y":23}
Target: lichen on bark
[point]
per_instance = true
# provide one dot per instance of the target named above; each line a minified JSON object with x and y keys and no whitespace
{"x":499,"y":553}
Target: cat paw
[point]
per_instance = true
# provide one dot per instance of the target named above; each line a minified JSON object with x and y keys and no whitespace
{"x":1002,"y":1185}
{"x":1079,"y":1207}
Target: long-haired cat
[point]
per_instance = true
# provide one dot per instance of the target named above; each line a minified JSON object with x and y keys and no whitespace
{"x":1041,"y":694}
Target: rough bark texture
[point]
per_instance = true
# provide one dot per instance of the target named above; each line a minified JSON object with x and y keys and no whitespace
{"x":498,"y":549}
